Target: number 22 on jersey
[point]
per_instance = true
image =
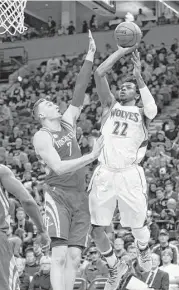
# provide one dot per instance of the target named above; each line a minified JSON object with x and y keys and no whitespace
{"x":120,"y":129}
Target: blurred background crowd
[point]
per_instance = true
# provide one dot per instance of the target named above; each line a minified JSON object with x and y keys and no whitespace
{"x":54,"y":80}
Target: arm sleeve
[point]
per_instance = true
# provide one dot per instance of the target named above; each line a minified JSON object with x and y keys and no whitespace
{"x":150,"y":107}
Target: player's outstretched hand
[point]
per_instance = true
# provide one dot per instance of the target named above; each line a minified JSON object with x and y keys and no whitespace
{"x":98,"y":146}
{"x":137,"y":63}
{"x":43,"y":239}
{"x":92,"y":45}
{"x":127,"y":50}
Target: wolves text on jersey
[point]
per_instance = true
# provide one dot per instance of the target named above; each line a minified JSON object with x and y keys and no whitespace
{"x":125,"y":115}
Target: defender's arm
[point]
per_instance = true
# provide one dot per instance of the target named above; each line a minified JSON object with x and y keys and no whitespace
{"x":73,"y":111}
{"x":44,"y":147}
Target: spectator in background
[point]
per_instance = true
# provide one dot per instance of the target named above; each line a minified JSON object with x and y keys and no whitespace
{"x":31,"y":266}
{"x":174,"y":45}
{"x":140,"y":17}
{"x":24,"y":225}
{"x":37,"y":251}
{"x":85,"y":27}
{"x":93,"y":23}
{"x":97,"y":268}
{"x":51,"y":26}
{"x":153,"y":227}
{"x":164,"y":244}
{"x":119,"y":248}
{"x":41,"y":279}
{"x":6,"y":119}
{"x":71,"y":28}
{"x":23,"y":276}
{"x":156,"y":278}
{"x":15,"y":242}
{"x":170,"y":268}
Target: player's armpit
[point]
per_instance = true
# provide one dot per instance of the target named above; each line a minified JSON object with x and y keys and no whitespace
{"x":103,"y":90}
{"x":71,"y":115}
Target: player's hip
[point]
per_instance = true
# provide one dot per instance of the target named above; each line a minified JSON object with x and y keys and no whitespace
{"x":106,"y":178}
{"x":70,"y":198}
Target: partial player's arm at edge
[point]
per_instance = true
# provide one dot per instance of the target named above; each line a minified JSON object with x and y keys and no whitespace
{"x":15,"y":187}
{"x":42,"y":142}
{"x":149,"y":105}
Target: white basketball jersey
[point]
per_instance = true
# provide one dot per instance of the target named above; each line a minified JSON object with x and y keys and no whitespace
{"x":125,"y":137}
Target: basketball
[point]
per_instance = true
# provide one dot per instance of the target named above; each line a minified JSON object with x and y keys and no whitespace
{"x":127,"y":34}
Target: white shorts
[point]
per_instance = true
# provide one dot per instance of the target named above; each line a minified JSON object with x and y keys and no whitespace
{"x":128,"y":186}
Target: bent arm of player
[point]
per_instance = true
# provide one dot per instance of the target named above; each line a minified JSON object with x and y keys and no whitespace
{"x":72,"y":113}
{"x":44,"y":147}
{"x":15,"y":187}
{"x":150,"y":107}
{"x":102,"y":86}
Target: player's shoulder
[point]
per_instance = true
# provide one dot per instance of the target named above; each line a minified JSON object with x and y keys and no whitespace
{"x":41,"y":137}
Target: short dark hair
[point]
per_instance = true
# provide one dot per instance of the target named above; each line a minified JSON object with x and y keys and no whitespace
{"x":35,"y":108}
{"x":131,"y":79}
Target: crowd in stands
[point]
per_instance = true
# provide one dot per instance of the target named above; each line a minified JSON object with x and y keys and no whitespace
{"x":51,"y":29}
{"x":55,"y":80}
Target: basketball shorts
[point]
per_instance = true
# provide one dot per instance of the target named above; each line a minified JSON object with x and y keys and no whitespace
{"x":67,"y":216}
{"x":8,"y":271}
{"x":128,"y":186}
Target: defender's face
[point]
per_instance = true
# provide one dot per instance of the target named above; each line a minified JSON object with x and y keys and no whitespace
{"x":127,"y":92}
{"x":48,"y":110}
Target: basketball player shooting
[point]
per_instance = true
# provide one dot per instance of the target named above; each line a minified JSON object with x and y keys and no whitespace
{"x":67,"y":209}
{"x":119,"y":175}
{"x":8,"y":271}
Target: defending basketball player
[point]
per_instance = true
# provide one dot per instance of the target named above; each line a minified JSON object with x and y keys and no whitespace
{"x":67,"y":210}
{"x":119,"y":175}
{"x":8,"y":272}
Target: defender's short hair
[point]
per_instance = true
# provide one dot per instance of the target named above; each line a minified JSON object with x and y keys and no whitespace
{"x":35,"y":108}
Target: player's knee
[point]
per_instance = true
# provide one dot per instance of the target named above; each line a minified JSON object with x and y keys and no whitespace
{"x":96,"y":231}
{"x":75,"y":256}
{"x":59,"y":256}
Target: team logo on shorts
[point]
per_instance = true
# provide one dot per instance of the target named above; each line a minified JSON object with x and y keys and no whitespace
{"x":55,"y":136}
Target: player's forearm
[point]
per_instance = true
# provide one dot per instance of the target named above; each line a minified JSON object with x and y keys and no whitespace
{"x":82,"y":81}
{"x":33,"y":211}
{"x":107,"y":65}
{"x":67,"y":166}
{"x":150,"y":107}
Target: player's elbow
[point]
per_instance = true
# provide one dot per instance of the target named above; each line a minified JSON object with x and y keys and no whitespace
{"x":99,"y":73}
{"x":150,"y":111}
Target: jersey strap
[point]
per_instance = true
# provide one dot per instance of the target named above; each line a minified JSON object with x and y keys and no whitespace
{"x":67,"y":125}
{"x":105,"y":117}
{"x":50,"y":133}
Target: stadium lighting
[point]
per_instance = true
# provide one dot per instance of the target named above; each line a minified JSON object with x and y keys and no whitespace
{"x":168,"y":6}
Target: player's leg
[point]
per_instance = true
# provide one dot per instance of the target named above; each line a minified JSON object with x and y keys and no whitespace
{"x":8,"y":270}
{"x":102,"y":203}
{"x":77,"y":241}
{"x":133,"y":210}
{"x":57,"y":220}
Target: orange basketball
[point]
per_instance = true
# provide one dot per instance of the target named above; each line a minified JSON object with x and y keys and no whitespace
{"x":127,"y":34}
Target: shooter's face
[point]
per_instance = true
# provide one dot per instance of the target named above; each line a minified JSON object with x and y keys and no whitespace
{"x":48,"y":110}
{"x":127,"y":92}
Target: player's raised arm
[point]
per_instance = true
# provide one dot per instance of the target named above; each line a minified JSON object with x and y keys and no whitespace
{"x":73,"y":111}
{"x":15,"y":187}
{"x":44,"y":147}
{"x":150,"y":107}
{"x":102,"y":86}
